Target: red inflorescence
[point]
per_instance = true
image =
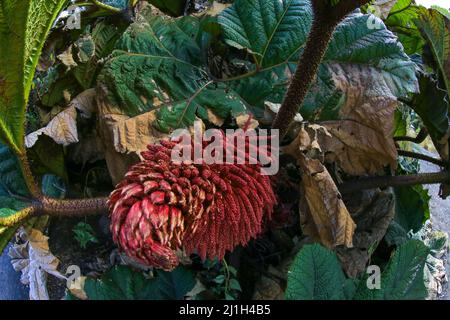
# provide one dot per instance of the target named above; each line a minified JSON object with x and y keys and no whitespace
{"x":162,"y":207}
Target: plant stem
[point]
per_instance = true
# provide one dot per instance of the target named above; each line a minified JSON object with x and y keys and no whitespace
{"x":420,"y":156}
{"x":33,"y":187}
{"x":421,"y":136}
{"x":71,"y":208}
{"x":324,"y":23}
{"x":105,"y":6}
{"x":394,"y":181}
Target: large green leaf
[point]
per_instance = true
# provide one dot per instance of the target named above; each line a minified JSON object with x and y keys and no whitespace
{"x":24,"y":26}
{"x":432,"y":105}
{"x":411,"y":207}
{"x":274,"y":32}
{"x":435,"y":29}
{"x":158,"y":65}
{"x":315,"y":274}
{"x":122,"y":283}
{"x":103,"y":38}
{"x":12,"y":192}
{"x":401,"y":20}
{"x":403,"y":277}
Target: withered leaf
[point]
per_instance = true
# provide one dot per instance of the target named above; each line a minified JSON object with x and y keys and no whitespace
{"x":361,"y":142}
{"x":35,"y":261}
{"x":125,"y":137}
{"x":62,"y":128}
{"x":67,"y":58}
{"x":354,"y":147}
{"x":324,"y":215}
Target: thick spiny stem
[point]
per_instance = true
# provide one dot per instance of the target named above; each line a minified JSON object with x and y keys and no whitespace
{"x":325,"y":21}
{"x":71,"y":208}
{"x":28,"y":175}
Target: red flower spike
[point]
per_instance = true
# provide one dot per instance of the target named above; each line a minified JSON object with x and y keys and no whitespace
{"x":161,"y":207}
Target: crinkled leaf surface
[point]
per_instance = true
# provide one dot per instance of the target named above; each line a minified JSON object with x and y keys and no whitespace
{"x":266,"y":29}
{"x":315,"y":274}
{"x":157,"y":66}
{"x":102,"y":38}
{"x":432,"y":104}
{"x":403,"y":277}
{"x":273,"y":31}
{"x":24,"y":26}
{"x":35,"y":261}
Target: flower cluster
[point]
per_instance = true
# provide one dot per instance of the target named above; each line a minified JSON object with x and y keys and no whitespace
{"x":162,"y":207}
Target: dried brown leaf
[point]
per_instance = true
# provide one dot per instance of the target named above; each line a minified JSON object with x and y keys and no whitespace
{"x":124,"y":137}
{"x":85,"y":102}
{"x":67,"y":58}
{"x":383,"y":7}
{"x":214,"y":118}
{"x":360,"y":143}
{"x":324,"y":215}
{"x":62,"y":128}
{"x":354,"y":147}
{"x":246,"y":121}
{"x":35,"y":261}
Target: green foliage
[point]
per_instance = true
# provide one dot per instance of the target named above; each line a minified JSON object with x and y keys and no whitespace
{"x":84,"y":234}
{"x":403,"y":277}
{"x":432,"y":106}
{"x":435,"y":29}
{"x":401,"y":20}
{"x":317,"y":274}
{"x":274,"y":33}
{"x":157,"y":65}
{"x":101,"y":43}
{"x":24,"y":26}
{"x":223,"y":284}
{"x":122,"y":283}
{"x":160,"y":65}
{"x":11,"y":179}
{"x":14,"y":195}
{"x":12,"y":192}
{"x":5,"y":236}
{"x":411,"y":207}
{"x":47,"y":158}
